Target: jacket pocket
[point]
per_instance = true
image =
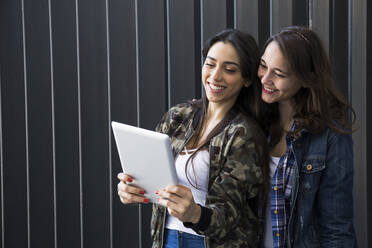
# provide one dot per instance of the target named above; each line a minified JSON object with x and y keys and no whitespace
{"x":311,"y":171}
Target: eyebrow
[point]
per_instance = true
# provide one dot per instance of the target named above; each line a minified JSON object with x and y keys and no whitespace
{"x":276,"y":68}
{"x":225,"y":62}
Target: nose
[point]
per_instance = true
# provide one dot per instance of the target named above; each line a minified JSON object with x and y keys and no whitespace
{"x":265,"y":75}
{"x":216,"y":74}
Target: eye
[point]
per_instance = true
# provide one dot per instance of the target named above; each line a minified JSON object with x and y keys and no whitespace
{"x":279,"y":75}
{"x":230,"y":70}
{"x":263,"y":66}
{"x":208,"y":64}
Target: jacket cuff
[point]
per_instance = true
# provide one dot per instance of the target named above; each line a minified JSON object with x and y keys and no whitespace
{"x":204,"y":221}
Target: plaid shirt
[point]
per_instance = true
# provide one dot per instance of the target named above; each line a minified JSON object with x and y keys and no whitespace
{"x":281,"y":193}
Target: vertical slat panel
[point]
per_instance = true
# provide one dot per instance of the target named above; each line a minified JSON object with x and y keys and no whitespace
{"x":153,"y":90}
{"x":368,"y":233}
{"x":339,"y":44}
{"x":231,"y":14}
{"x":181,"y":52}
{"x":39,"y":124}
{"x":110,"y":171}
{"x":169,"y":73}
{"x":213,"y":20}
{"x":198,"y":47}
{"x":320,"y":21}
{"x":263,"y":22}
{"x":281,"y":15}
{"x":198,"y":62}
{"x":66,"y":123}
{"x":359,"y":101}
{"x":123,"y":109}
{"x":300,"y":13}
{"x":248,"y":17}
{"x":1,"y":172}
{"x":213,"y":17}
{"x":94,"y":123}
{"x":13,"y":126}
{"x":152,"y":62}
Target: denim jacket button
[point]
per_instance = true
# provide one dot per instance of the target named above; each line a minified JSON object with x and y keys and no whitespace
{"x":309,"y":167}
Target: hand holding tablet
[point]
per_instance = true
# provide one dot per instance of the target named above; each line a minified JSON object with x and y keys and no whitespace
{"x":146,"y":156}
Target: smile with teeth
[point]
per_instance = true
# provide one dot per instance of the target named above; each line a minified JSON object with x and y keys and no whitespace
{"x":268,"y":90}
{"x":216,"y":87}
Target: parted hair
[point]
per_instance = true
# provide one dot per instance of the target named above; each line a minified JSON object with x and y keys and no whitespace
{"x":248,"y":102}
{"x":319,"y":103}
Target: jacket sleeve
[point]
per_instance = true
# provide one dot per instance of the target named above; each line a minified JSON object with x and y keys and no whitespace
{"x":335,"y":197}
{"x":236,"y":184}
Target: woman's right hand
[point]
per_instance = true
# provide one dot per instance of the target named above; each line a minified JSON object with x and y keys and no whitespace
{"x":129,"y":193}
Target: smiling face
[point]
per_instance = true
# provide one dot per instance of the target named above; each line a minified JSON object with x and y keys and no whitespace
{"x":278,"y":84}
{"x":221,"y":74}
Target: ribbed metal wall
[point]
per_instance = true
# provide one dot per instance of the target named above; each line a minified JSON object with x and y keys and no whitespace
{"x":67,"y":68}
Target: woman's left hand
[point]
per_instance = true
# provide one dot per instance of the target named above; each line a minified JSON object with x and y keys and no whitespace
{"x":180,"y":203}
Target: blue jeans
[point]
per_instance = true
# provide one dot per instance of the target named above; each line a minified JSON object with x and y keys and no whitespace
{"x":176,"y":239}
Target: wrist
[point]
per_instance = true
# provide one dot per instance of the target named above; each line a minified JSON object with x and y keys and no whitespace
{"x":196,"y":215}
{"x":204,"y":220}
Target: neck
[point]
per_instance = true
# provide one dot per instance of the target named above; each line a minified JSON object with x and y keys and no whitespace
{"x":216,"y":111}
{"x":286,"y":110}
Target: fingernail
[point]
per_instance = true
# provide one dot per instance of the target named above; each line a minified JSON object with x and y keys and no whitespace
{"x":157,"y":192}
{"x":146,"y":200}
{"x":142,"y":192}
{"x":130,"y":179}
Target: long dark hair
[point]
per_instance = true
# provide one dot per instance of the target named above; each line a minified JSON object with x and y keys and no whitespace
{"x":319,"y":103}
{"x":248,"y":102}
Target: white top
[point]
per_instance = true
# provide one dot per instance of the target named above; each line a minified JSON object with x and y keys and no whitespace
{"x":198,"y":177}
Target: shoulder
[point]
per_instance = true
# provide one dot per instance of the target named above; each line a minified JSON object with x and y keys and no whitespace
{"x":326,"y":144}
{"x":184,"y":109}
{"x":244,"y":134}
{"x":245,"y":127}
{"x":176,"y":115}
{"x":329,"y":136}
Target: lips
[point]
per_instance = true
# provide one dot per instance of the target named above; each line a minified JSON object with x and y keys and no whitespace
{"x":268,"y":91}
{"x":215,"y":88}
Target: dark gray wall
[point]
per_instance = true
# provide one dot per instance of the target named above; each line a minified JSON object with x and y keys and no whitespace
{"x":67,"y":68}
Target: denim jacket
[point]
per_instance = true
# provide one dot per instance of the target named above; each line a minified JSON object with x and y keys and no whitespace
{"x":321,"y":213}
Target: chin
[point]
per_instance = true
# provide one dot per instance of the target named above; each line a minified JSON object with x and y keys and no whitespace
{"x":213,"y":99}
{"x":268,"y":100}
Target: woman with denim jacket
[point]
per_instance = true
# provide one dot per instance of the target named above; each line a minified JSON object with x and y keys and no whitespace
{"x":220,"y":156}
{"x":311,"y":202}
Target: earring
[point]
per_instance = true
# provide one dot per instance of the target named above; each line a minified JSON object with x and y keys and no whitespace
{"x":247,"y":84}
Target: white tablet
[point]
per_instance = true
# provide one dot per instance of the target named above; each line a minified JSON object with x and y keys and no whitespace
{"x":146,"y":156}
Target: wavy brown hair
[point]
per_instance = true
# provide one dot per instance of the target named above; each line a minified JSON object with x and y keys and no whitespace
{"x":248,"y":103}
{"x":319,"y":103}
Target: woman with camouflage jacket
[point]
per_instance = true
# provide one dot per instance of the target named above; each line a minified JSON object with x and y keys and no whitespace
{"x":220,"y":156}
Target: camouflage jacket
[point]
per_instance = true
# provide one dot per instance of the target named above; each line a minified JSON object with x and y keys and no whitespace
{"x":234,"y":180}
